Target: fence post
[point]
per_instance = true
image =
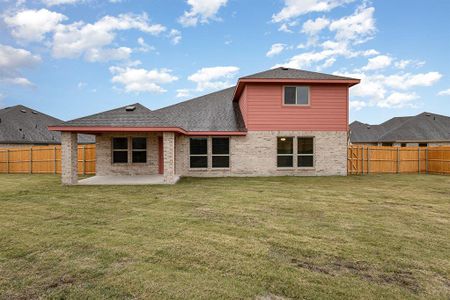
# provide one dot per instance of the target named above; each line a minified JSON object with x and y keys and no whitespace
{"x":398,"y":160}
{"x":84,"y":160}
{"x":54,"y":159}
{"x":7,"y":161}
{"x":418,"y":160}
{"x":362,"y":161}
{"x":31,"y":160}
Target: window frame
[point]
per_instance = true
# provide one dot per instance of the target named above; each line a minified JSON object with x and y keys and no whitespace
{"x":291,"y":155}
{"x":199,"y":155}
{"x":119,"y":150}
{"x":296,"y":95}
{"x":313,"y":155}
{"x":132,"y":150}
{"x":220,"y":155}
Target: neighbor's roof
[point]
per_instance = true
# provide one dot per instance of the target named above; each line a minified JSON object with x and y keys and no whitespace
{"x":289,"y":73}
{"x":22,"y":125}
{"x":423,"y":127}
{"x":212,"y":112}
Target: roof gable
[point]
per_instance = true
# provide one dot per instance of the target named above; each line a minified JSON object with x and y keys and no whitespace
{"x":289,"y":73}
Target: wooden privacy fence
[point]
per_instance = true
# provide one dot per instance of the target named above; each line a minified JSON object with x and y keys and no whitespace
{"x":44,"y":160}
{"x":379,"y":159}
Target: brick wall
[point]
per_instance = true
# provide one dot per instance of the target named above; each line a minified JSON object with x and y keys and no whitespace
{"x":256,"y":153}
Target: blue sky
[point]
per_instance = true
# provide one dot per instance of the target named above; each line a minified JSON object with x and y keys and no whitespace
{"x":71,"y":58}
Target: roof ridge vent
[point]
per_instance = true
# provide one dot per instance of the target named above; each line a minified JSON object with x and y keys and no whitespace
{"x":284,"y":68}
{"x":23,"y":110}
{"x":130,"y":108}
{"x":34,"y":112}
{"x":428,"y":114}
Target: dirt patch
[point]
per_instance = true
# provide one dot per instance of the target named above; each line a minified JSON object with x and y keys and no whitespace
{"x":63,"y":280}
{"x":363,"y":270}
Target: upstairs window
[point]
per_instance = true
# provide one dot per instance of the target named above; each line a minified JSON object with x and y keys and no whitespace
{"x":305,"y":149}
{"x":296,"y":95}
{"x":198,"y":155}
{"x":285,"y":152}
{"x":139,"y":150}
{"x":120,"y":150}
{"x":220,"y":152}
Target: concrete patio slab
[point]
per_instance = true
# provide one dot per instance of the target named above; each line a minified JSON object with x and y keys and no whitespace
{"x":124,"y":180}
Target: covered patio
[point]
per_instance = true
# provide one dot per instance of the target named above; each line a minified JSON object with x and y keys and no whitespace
{"x":124,"y":180}
{"x":165,"y":164}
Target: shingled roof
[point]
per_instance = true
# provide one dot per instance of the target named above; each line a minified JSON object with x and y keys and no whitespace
{"x":425,"y":127}
{"x":289,"y":73}
{"x":22,"y":125}
{"x":212,"y":112}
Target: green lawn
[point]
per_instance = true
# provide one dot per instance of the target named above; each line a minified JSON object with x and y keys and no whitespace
{"x":338,"y":237}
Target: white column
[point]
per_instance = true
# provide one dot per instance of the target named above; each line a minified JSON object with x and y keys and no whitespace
{"x":69,"y":157}
{"x":169,"y":157}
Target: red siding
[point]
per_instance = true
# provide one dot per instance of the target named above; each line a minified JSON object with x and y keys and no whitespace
{"x":328,"y":108}
{"x":243,"y":105}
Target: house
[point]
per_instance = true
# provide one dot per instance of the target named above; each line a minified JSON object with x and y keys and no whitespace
{"x":425,"y":129}
{"x":278,"y":122}
{"x":21,"y":126}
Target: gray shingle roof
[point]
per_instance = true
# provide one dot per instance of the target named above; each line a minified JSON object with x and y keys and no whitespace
{"x":22,"y":125}
{"x":212,"y":112}
{"x":289,"y":73}
{"x":425,"y":127}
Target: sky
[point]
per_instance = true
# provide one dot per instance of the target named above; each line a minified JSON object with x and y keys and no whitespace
{"x":71,"y":58}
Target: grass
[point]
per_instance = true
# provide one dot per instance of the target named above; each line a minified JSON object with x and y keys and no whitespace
{"x":339,"y":237}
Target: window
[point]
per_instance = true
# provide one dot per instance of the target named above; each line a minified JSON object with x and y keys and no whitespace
{"x":139,"y":150}
{"x":220,"y":152}
{"x":120,"y":150}
{"x":386,"y":144}
{"x":285,"y":152}
{"x":296,"y":95}
{"x":423,"y":145}
{"x":305,"y":151}
{"x":198,"y":152}
{"x":403,"y":145}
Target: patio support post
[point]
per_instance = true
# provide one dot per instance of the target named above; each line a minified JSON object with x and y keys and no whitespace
{"x":169,"y":157}
{"x":69,"y":159}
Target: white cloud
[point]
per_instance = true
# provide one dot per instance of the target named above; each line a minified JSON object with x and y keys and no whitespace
{"x":295,"y":8}
{"x":357,"y":105}
{"x":378,"y":62}
{"x":201,"y":11}
{"x":142,"y":80}
{"x":444,"y":93}
{"x":213,"y":78}
{"x":76,"y":39}
{"x":408,"y":80}
{"x":175,"y":36}
{"x":103,"y":55}
{"x":398,"y":100}
{"x":12,"y":60}
{"x":32,"y":25}
{"x":60,"y":2}
{"x":183,"y":93}
{"x":311,"y":27}
{"x":356,"y":28}
{"x":144,"y":47}
{"x":275,"y":49}
{"x":285,"y":28}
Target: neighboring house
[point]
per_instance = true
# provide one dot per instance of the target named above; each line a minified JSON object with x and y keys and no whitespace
{"x":425,"y":129}
{"x":278,"y":122}
{"x":21,"y":126}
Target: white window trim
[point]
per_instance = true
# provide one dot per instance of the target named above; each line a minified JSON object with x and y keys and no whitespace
{"x":296,"y":96}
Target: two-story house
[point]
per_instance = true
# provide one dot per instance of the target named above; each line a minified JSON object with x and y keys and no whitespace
{"x":278,"y":122}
